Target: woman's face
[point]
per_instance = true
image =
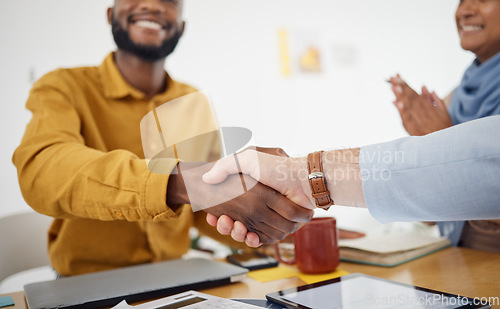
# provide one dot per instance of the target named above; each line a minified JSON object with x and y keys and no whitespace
{"x":478,"y":24}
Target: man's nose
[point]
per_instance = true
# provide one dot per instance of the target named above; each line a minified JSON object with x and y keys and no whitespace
{"x":152,"y":5}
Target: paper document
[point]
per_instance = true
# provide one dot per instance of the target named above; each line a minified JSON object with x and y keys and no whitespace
{"x":189,"y":299}
{"x":389,"y":243}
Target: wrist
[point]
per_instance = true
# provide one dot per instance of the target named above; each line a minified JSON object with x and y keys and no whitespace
{"x":343,"y":177}
{"x":183,"y":175}
{"x":317,"y":180}
{"x":300,"y":174}
{"x":176,"y":188}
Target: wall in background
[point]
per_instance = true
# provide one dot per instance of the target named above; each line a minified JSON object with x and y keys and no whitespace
{"x":231,"y":48}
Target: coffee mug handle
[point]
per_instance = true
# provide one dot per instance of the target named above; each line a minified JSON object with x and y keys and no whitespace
{"x":282,"y":260}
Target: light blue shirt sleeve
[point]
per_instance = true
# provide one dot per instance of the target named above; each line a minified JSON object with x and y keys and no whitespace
{"x":449,"y":175}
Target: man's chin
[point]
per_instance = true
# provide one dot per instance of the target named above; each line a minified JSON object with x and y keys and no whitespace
{"x":146,"y":48}
{"x":149,"y":46}
{"x":153,"y":43}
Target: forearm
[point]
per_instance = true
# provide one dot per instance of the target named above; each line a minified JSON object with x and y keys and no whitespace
{"x":342,"y":175}
{"x":447,"y":175}
{"x":66,"y":169}
{"x":68,"y":180}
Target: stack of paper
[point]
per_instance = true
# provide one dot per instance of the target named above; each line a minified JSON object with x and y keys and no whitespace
{"x":389,"y":250}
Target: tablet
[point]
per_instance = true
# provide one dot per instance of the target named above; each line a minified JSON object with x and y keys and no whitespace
{"x":357,"y":291}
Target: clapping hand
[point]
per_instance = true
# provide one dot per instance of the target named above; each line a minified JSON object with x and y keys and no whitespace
{"x":421,"y":114}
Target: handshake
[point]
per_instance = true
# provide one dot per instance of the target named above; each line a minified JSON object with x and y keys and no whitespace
{"x":276,"y":199}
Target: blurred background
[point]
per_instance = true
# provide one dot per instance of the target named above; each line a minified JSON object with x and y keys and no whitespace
{"x":265,"y":63}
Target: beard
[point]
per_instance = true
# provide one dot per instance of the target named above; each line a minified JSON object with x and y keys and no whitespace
{"x":145,"y":52}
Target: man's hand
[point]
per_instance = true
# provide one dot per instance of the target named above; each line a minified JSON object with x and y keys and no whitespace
{"x":239,"y":232}
{"x":286,"y":175}
{"x":265,"y":212}
{"x":421,"y":114}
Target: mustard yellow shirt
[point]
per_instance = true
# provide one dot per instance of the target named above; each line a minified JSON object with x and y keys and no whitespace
{"x":81,"y":161}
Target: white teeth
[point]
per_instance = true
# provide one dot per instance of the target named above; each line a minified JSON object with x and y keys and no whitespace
{"x":471,"y":27}
{"x":148,"y":24}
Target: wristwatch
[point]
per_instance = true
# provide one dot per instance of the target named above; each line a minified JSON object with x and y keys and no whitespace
{"x":317,"y":180}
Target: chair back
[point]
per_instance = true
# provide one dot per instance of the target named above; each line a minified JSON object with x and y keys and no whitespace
{"x":23,"y":242}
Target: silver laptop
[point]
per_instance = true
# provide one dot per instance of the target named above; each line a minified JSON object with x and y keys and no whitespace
{"x":135,"y":283}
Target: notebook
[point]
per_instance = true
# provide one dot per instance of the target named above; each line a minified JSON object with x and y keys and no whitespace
{"x":389,"y":250}
{"x":135,"y":283}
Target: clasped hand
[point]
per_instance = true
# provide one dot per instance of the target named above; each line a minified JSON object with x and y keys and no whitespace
{"x":268,"y":210}
{"x":273,"y":169}
{"x":280,"y":172}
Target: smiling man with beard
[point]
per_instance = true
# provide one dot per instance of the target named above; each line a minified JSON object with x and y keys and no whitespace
{"x":144,"y":50}
{"x":81,"y":159}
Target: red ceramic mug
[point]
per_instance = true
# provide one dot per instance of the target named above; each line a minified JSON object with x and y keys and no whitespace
{"x":315,"y":246}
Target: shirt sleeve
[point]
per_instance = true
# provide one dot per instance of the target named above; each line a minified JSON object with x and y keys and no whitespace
{"x":62,"y":177}
{"x":453,"y":174}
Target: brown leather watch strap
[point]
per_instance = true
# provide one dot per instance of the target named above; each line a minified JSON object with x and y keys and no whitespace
{"x":317,"y":180}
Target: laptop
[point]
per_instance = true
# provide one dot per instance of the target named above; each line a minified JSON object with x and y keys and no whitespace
{"x":135,"y":283}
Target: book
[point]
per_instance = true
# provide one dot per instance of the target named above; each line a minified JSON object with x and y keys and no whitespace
{"x":389,"y":250}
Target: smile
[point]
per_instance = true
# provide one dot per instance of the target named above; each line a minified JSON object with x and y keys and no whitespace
{"x":471,"y":28}
{"x":148,"y":24}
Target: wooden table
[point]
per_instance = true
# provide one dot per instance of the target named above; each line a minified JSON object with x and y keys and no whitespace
{"x":460,"y":271}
